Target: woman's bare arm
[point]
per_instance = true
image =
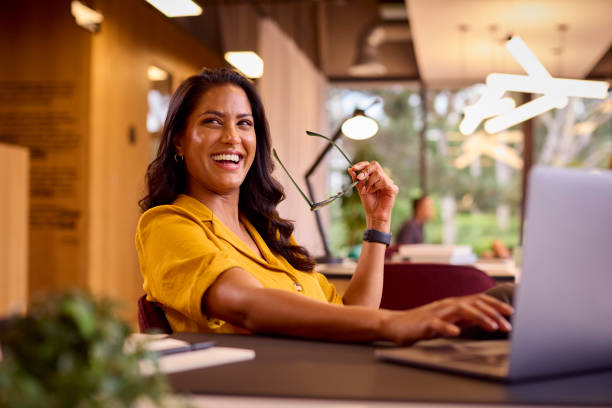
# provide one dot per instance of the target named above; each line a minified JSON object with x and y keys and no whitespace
{"x":377,"y":192}
{"x":365,"y":287}
{"x":240,"y":299}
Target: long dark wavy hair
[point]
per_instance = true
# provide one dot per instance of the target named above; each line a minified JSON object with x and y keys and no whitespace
{"x":260,"y":193}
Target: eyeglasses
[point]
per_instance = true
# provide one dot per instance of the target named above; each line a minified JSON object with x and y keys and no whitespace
{"x":320,"y":204}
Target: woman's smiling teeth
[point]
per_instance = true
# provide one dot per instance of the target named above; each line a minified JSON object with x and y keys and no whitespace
{"x":226,"y":157}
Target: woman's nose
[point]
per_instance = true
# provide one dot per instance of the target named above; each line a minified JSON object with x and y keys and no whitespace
{"x":230,"y":135}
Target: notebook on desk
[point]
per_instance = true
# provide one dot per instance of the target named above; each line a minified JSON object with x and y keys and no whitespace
{"x":563,"y":307}
{"x":176,"y":355}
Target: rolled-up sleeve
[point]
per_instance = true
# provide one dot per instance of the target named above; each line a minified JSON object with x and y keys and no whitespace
{"x":179,"y":261}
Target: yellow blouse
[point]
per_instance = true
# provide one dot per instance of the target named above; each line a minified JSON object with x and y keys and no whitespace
{"x":183,"y":247}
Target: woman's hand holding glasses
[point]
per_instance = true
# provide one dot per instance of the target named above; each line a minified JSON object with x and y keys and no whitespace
{"x":377,"y":192}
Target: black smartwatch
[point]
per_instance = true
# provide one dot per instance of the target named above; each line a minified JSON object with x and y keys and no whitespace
{"x":372,"y":235}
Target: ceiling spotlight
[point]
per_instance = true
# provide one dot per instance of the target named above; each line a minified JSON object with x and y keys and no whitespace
{"x":87,"y":18}
{"x":176,"y":8}
{"x":247,"y":62}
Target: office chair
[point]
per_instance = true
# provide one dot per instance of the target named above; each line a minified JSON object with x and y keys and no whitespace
{"x":408,"y":285}
{"x":151,"y":317}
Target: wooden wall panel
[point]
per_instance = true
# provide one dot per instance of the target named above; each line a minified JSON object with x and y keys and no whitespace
{"x":44,"y":105}
{"x":14,"y":205}
{"x":132,"y":37}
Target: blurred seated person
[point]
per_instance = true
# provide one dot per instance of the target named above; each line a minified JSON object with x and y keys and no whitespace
{"x":218,"y":257}
{"x":412,"y":231}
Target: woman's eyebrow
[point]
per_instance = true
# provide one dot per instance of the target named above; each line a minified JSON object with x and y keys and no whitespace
{"x":212,"y":112}
{"x":221,"y":114}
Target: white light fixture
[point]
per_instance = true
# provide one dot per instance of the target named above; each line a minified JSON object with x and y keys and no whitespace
{"x":555,"y":93}
{"x":359,"y":127}
{"x":527,"y":59}
{"x":487,"y":108}
{"x":176,"y":8}
{"x":247,"y":62}
{"x":569,"y":87}
{"x":156,"y":74}
{"x":85,"y":17}
{"x":522,"y":113}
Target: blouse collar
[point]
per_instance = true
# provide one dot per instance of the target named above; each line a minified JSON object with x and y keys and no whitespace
{"x":204,"y":214}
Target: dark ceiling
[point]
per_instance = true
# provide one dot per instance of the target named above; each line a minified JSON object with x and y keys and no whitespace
{"x":334,"y":34}
{"x":348,"y":40}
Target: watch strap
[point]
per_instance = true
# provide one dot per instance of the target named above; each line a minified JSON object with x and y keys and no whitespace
{"x":372,"y":235}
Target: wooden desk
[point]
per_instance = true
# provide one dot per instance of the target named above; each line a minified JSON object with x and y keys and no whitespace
{"x":323,"y":371}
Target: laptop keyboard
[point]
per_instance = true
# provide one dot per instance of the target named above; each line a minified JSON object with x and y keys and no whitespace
{"x":489,"y":353}
{"x":488,"y":360}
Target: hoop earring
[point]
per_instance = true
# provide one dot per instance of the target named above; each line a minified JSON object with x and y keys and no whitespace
{"x":178,"y":158}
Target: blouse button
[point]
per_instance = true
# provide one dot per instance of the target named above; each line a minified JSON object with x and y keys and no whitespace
{"x":298,"y":287}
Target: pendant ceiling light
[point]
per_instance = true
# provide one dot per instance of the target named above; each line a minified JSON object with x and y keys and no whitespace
{"x":502,"y":111}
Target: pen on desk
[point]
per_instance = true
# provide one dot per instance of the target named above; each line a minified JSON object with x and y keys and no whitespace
{"x":191,"y":347}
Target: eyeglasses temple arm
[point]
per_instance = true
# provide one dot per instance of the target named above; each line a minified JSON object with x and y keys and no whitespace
{"x":291,"y":178}
{"x":309,"y":133}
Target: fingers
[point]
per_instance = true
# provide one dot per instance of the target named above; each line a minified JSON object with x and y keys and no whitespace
{"x":495,"y":309}
{"x":439,"y":327}
{"x":364,"y":169}
{"x":372,"y":176}
{"x":353,"y":173}
{"x":502,"y":307}
{"x":494,"y":315}
{"x":371,"y":183}
{"x":465,"y":312}
{"x":409,"y":326}
{"x":358,"y":173}
{"x":357,"y":167}
{"x":481,"y":310}
{"x":441,"y":318}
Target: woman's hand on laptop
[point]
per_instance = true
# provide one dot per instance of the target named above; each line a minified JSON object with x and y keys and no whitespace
{"x":446,"y":317}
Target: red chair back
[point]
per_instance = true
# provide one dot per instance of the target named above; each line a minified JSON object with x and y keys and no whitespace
{"x":152,"y":317}
{"x":408,"y":285}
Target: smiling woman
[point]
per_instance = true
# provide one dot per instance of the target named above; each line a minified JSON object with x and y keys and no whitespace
{"x":221,"y":110}
{"x":217,"y":256}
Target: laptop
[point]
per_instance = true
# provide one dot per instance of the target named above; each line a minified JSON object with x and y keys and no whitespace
{"x":563,"y":305}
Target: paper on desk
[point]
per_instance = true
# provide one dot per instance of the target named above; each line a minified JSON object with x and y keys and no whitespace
{"x":197,"y":359}
{"x":165,"y":344}
{"x":136,"y":340}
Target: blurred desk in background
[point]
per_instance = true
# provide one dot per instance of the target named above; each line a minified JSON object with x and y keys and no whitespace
{"x":501,"y":270}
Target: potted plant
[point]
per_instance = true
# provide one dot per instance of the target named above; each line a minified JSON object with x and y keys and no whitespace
{"x":68,"y":351}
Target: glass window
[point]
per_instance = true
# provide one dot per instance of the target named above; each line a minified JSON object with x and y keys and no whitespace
{"x":475,"y":181}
